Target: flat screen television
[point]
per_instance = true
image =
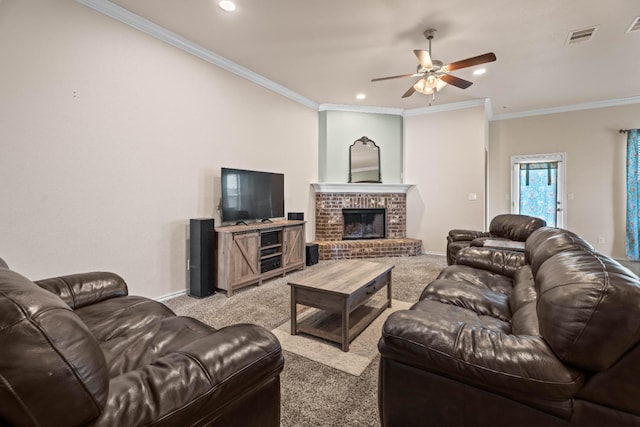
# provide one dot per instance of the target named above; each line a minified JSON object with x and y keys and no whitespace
{"x":251,"y":195}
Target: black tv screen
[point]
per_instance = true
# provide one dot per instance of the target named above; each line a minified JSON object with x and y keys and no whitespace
{"x":251,"y":195}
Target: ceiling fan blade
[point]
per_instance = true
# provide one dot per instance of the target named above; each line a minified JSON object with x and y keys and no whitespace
{"x":424,"y":58}
{"x":409,"y":92}
{"x":397,"y":77}
{"x":455,"y":81}
{"x":470,"y":62}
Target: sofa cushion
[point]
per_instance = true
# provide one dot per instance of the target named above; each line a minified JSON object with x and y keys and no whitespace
{"x":146,"y":343}
{"x":478,"y":277}
{"x":455,"y":343}
{"x":524,"y":289}
{"x":546,"y":242}
{"x":483,"y":302}
{"x":193,"y":385}
{"x":47,"y":352}
{"x":79,"y":290}
{"x":514,"y":226}
{"x":588,"y":308}
{"x":121,"y":316}
{"x":453,"y":248}
{"x":500,"y":261}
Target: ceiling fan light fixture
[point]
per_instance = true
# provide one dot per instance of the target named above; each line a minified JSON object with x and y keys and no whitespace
{"x":429,"y":85}
{"x":422,"y":87}
{"x":431,"y":81}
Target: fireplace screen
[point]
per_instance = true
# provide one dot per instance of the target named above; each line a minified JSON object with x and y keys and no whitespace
{"x":364,"y":224}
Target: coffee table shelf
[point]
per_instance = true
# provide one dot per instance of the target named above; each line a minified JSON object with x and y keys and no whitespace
{"x":345,"y":294}
{"x":328,"y":325}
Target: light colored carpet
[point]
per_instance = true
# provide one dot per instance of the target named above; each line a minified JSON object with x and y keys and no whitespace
{"x":312,"y":393}
{"x":361,"y":352}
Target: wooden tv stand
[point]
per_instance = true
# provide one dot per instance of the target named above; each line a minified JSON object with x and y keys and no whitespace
{"x":249,"y":254}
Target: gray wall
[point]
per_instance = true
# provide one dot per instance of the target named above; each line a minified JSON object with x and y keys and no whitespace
{"x":339,"y":129}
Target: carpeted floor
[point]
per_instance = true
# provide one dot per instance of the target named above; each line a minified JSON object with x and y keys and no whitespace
{"x":313,"y":394}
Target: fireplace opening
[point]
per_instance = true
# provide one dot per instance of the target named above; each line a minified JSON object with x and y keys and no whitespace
{"x":364,"y":224}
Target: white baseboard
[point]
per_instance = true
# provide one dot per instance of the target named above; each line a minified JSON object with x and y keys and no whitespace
{"x":434,"y":253}
{"x":170,"y":296}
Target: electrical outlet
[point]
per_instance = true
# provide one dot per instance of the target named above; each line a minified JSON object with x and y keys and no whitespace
{"x":600,"y":239}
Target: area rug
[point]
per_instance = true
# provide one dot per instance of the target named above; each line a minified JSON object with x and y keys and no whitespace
{"x":361,"y":352}
{"x":314,"y":394}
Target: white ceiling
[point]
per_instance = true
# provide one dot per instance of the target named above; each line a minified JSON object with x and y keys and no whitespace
{"x":329,"y":50}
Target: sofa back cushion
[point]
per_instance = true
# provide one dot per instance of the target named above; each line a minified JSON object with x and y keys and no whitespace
{"x":52,"y":371}
{"x":588,"y":308}
{"x":547,"y":241}
{"x":515,"y":227}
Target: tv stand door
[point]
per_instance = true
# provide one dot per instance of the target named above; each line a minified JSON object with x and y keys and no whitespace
{"x":294,"y":246}
{"x":243,"y":260}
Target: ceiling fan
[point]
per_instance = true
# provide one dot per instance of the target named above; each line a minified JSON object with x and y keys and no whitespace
{"x":434,"y":75}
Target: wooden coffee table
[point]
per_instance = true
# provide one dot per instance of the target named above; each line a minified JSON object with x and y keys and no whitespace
{"x":343,"y":290}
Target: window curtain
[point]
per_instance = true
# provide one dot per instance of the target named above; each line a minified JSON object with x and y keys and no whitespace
{"x":632,"y":239}
{"x":539,"y":191}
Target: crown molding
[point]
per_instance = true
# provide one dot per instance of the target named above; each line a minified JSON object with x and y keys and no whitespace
{"x":361,"y":109}
{"x":569,"y":108}
{"x":445,"y":107}
{"x":121,"y":14}
{"x":136,"y":21}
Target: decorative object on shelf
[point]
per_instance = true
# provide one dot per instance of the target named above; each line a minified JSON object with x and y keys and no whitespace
{"x":434,"y":74}
{"x":364,"y":161}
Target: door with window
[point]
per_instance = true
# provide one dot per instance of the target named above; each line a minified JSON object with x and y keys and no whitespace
{"x":537,"y":187}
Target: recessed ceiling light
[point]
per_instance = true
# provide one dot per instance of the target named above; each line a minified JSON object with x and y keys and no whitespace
{"x":361,"y":96}
{"x":227,"y":5}
{"x":479,"y":71}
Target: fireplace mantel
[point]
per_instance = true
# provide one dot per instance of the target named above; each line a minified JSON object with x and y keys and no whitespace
{"x":361,"y":188}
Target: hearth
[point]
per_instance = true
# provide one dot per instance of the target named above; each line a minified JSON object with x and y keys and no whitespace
{"x":364,"y":224}
{"x":331,"y":199}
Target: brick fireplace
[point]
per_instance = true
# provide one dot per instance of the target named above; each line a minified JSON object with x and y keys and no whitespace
{"x":333,"y":199}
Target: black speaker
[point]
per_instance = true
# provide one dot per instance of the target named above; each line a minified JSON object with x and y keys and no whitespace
{"x":296,"y":216}
{"x":312,"y":253}
{"x":201,"y":257}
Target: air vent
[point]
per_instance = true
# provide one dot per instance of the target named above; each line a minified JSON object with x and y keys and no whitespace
{"x":635,"y":25}
{"x":583,"y":35}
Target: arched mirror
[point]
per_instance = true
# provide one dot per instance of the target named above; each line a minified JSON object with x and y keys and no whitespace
{"x":364,"y":161}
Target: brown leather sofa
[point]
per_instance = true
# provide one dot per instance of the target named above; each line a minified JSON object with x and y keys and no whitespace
{"x":78,"y":350}
{"x":505,"y":227}
{"x":545,"y":338}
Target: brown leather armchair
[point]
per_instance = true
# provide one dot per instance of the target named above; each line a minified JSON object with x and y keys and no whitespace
{"x":78,"y":350}
{"x":554,"y":342}
{"x":505,"y":227}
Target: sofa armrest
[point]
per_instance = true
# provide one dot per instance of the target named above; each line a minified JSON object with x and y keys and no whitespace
{"x":445,"y":340}
{"x":79,"y":290}
{"x":457,"y":235}
{"x":499,"y":261}
{"x":199,"y":381}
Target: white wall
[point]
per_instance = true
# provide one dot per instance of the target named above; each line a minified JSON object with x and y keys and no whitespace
{"x":445,"y":158}
{"x":112,"y":140}
{"x":595,"y":166}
